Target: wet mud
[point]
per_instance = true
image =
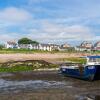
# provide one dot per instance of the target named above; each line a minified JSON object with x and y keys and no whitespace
{"x":46,"y":85}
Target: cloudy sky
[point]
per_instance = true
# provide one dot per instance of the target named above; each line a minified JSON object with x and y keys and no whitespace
{"x":50,"y":21}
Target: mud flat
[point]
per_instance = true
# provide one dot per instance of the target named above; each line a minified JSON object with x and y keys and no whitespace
{"x":46,"y":85}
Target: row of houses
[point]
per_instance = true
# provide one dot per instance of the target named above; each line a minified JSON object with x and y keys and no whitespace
{"x":88,"y":46}
{"x":48,"y":47}
{"x":84,"y":46}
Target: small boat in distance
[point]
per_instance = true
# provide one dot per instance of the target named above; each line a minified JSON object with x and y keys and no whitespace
{"x":89,"y":71}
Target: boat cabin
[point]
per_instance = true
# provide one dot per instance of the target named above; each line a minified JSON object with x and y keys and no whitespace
{"x":93,"y":60}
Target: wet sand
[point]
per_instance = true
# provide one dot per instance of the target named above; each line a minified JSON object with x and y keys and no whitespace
{"x":46,"y":85}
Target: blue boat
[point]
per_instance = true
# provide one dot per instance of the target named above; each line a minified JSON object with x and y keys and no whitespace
{"x":89,"y":71}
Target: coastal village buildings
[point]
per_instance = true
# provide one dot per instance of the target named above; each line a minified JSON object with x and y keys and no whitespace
{"x":65,"y":47}
{"x":11,"y":44}
{"x":24,"y":46}
{"x":35,"y":46}
{"x":97,"y":46}
{"x":54,"y":46}
{"x":85,"y":46}
{"x":45,"y":47}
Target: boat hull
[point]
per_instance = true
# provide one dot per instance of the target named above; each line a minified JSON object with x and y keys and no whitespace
{"x":91,"y":72}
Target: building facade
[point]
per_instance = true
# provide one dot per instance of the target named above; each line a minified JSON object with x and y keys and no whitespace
{"x":97,"y":46}
{"x":45,"y":47}
{"x":85,"y":46}
{"x":11,"y":44}
{"x":65,"y":47}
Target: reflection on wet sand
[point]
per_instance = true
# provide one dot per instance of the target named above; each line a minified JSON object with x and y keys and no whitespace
{"x":47,"y":85}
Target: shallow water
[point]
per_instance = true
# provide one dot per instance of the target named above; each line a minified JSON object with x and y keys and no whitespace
{"x":15,"y":86}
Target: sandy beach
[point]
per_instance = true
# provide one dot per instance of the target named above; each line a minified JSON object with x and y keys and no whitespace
{"x":39,"y":56}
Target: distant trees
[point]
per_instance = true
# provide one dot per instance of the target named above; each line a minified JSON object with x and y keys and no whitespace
{"x":26,"y":41}
{"x":1,"y":46}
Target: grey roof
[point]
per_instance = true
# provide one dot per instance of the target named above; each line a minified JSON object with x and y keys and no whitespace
{"x":49,"y":45}
{"x":11,"y":43}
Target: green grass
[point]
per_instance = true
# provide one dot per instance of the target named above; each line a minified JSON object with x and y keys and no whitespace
{"x":28,"y":51}
{"x":96,"y":52}
{"x":16,"y":69}
{"x":75,"y":60}
{"x":20,"y":68}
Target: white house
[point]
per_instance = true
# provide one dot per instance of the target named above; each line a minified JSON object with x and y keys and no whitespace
{"x":97,"y":46}
{"x":45,"y":47}
{"x":35,"y":46}
{"x":25,"y":46}
{"x":11,"y":44}
{"x":48,"y":47}
{"x":85,"y":46}
{"x":65,"y":47}
{"x":54,"y":46}
{"x":78,"y":48}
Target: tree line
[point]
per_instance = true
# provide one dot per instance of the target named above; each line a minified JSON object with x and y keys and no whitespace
{"x":27,"y":41}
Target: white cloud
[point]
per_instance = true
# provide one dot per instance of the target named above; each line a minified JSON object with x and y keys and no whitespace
{"x":6,"y":37}
{"x":96,"y":38}
{"x":10,"y":36}
{"x":51,"y":31}
{"x":12,"y":15}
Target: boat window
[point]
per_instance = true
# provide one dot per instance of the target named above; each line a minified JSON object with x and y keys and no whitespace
{"x":98,"y":60}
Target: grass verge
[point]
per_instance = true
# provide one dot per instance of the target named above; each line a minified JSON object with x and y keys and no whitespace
{"x":75,"y":60}
{"x":19,"y":68}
